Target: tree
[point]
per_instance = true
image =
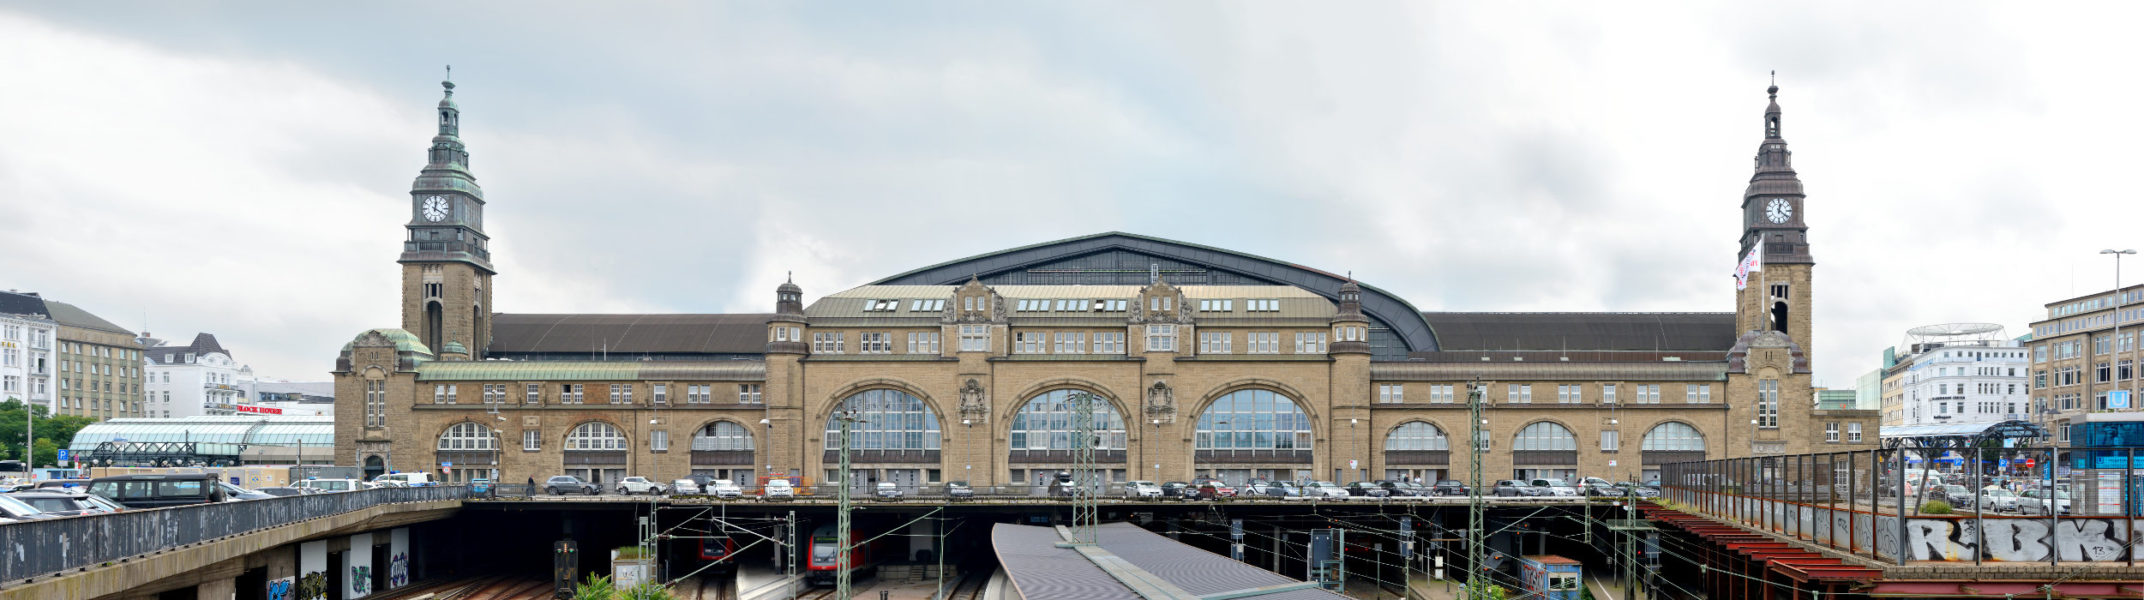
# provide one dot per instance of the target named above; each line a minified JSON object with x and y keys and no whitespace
{"x":57,"y":432}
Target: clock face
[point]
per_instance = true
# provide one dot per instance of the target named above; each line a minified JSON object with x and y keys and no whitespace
{"x":435,"y":208}
{"x":1778,"y":210}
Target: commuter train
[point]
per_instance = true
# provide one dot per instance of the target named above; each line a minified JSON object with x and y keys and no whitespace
{"x":863,"y":559}
{"x":720,"y":551}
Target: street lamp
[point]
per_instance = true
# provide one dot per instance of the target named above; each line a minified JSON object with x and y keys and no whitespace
{"x":2118,"y":321}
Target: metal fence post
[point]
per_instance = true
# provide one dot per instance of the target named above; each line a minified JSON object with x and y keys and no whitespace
{"x":1980,"y":525}
{"x":1898,"y":544}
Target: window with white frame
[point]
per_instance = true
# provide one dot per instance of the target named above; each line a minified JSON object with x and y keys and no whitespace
{"x":1071,"y":342}
{"x":659,"y":440}
{"x":1440,"y":394}
{"x":495,"y":393}
{"x":533,"y":393}
{"x":1216,"y":342}
{"x":531,"y":440}
{"x":1607,"y":393}
{"x":1348,"y":333}
{"x":1216,"y":305}
{"x":1519,"y":393}
{"x":467,"y":436}
{"x":1611,"y":440}
{"x":748,"y":393}
{"x":874,"y":342}
{"x":1264,"y":305}
{"x":975,"y":338}
{"x":1030,"y":342}
{"x":1697,"y":393}
{"x":1768,"y":403}
{"x":699,"y":393}
{"x":1109,"y":342}
{"x":443,"y":393}
{"x":595,"y":435}
{"x":1310,"y":342}
{"x":621,"y":393}
{"x":572,"y":393}
{"x":1853,"y":433}
{"x":788,"y":334}
{"x":1161,"y":338}
{"x":1544,"y":436}
{"x":826,"y":342}
{"x":1569,"y":394}
{"x":1391,"y":393}
{"x":1261,"y":342}
{"x":659,"y":393}
{"x":1416,"y":435}
{"x":1831,"y":432}
{"x":923,"y":342}
{"x":927,"y":305}
{"x":1647,"y":393}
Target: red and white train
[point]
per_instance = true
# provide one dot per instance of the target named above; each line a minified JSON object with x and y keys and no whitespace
{"x":825,"y":554}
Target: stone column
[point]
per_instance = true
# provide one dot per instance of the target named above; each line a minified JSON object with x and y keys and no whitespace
{"x":217,"y":589}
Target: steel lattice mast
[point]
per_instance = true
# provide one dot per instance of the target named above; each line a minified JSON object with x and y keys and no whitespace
{"x":841,"y":518}
{"x":1084,"y":496}
{"x":1477,"y":553}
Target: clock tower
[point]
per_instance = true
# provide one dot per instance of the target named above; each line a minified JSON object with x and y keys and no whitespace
{"x":446,"y":258}
{"x":1777,"y":298}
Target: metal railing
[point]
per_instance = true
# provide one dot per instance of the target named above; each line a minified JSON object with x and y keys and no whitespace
{"x":1900,"y":505}
{"x":45,"y":547}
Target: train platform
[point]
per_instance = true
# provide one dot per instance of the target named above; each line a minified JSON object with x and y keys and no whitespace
{"x":1131,"y":563}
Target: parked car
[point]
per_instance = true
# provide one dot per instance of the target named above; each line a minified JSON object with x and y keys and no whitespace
{"x":1449,"y":487}
{"x":1600,"y":490}
{"x":1396,"y":489}
{"x":1625,"y":489}
{"x":725,"y":488}
{"x":1256,"y":486}
{"x":639,"y":485}
{"x":482,"y":486}
{"x":685,"y":487}
{"x":778,"y":488}
{"x":405,"y":480}
{"x":560,"y":485}
{"x":1586,"y":481}
{"x":2034,"y":502}
{"x":233,"y":493}
{"x":1366,"y":489}
{"x":1141,"y":489}
{"x":158,"y":491}
{"x":1177,"y":489}
{"x":961,"y":489}
{"x":1956,"y":495}
{"x":1213,"y":488}
{"x":1554,"y":487}
{"x":1509,"y":488}
{"x":330,"y":485}
{"x":17,"y":510}
{"x":281,"y":491}
{"x":1997,"y":499}
{"x":887,"y":491}
{"x":58,"y":503}
{"x":1284,"y":489}
{"x":1325,"y":490}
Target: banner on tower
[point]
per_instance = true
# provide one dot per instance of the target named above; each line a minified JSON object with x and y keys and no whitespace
{"x":1751,"y":263}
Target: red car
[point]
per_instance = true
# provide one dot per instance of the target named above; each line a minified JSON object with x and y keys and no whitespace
{"x":1213,"y":488}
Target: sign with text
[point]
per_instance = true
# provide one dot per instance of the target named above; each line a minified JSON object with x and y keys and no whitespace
{"x":258,"y":409}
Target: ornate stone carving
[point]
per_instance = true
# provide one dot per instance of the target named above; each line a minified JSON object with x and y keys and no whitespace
{"x":1161,"y":402}
{"x":974,"y":403}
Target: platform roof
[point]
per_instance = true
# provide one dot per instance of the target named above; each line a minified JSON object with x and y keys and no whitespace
{"x":1131,"y":562}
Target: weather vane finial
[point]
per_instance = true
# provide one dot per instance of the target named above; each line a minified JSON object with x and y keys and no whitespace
{"x":449,"y":82}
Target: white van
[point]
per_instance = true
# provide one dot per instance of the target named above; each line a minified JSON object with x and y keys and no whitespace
{"x":404,"y":480}
{"x":332,"y":485}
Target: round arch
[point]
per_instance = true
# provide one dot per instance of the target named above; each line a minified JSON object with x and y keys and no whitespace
{"x":832,"y":402}
{"x":891,"y":419}
{"x":1255,"y":383}
{"x":723,"y":438}
{"x":1430,"y":436}
{"x":1545,"y":434}
{"x":597,"y":435}
{"x":467,"y":435}
{"x":1673,"y":435}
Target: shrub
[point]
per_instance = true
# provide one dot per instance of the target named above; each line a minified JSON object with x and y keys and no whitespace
{"x":1935,"y":507}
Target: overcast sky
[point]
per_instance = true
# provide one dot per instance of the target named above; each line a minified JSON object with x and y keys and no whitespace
{"x":243,"y":168}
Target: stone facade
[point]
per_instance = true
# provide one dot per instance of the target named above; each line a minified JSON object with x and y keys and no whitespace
{"x":1206,"y":376}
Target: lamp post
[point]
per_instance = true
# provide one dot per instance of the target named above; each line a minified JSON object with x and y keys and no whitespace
{"x":2119,"y":382}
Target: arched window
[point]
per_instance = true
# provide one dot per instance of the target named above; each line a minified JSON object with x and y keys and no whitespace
{"x":1673,"y":436}
{"x":1417,"y":435}
{"x":1046,"y":422}
{"x":722,"y":435}
{"x":595,"y":435}
{"x":1545,"y":436}
{"x":1253,"y":420}
{"x":468,"y":436}
{"x":885,"y":420}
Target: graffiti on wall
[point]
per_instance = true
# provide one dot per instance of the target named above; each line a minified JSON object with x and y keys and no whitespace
{"x":281,"y":589}
{"x":2020,"y":540}
{"x":398,"y":571}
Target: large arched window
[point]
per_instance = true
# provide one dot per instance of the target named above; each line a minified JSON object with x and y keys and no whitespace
{"x":1674,"y":436}
{"x":1545,"y":436}
{"x":722,"y":435}
{"x":595,"y":435}
{"x":1253,"y":420}
{"x":468,"y":436}
{"x":1046,"y":422}
{"x":885,"y":420}
{"x":1417,"y":435}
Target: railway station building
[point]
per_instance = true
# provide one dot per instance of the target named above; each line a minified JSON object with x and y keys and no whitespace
{"x":1209,"y":362}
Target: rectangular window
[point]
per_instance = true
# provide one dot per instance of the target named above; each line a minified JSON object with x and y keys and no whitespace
{"x":659,"y":440}
{"x":1607,"y":393}
{"x":1768,"y":403}
{"x":571,"y":393}
{"x":531,"y":440}
{"x":1109,"y":342}
{"x":1216,"y":305}
{"x":748,"y":393}
{"x":1831,"y":433}
{"x":1519,"y":393}
{"x":1030,"y":342}
{"x":1610,"y":440}
{"x":1440,"y":393}
{"x":495,"y":393}
{"x":923,"y":342}
{"x":824,"y":342}
{"x":2064,"y":428}
{"x":1853,"y":433}
{"x":1697,"y":393}
{"x":1216,"y":342}
{"x":1310,"y":342}
{"x":1569,"y":394}
{"x":659,"y":393}
{"x":1071,"y":342}
{"x":375,"y":403}
{"x":1648,"y":393}
{"x":1391,"y":393}
{"x":975,"y":338}
{"x":1262,"y":342}
{"x":874,"y":342}
{"x":1161,"y":338}
{"x":1261,"y":305}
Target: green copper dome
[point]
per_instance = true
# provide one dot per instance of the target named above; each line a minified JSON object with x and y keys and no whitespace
{"x":404,"y":341}
{"x":454,"y":348}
